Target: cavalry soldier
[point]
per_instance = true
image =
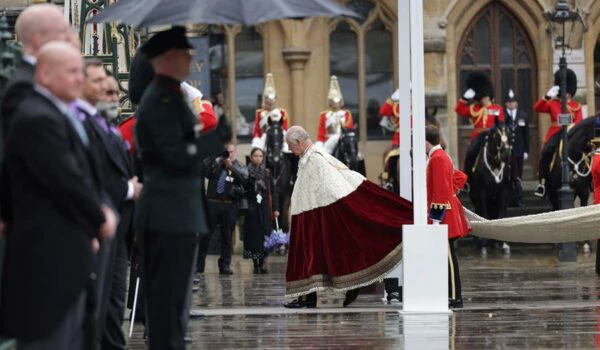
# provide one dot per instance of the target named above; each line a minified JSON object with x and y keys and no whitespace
{"x":334,"y":119}
{"x":482,"y":113}
{"x":518,"y":125}
{"x":269,"y":113}
{"x":552,"y":105}
{"x":389,"y":113}
{"x":596,"y":181}
{"x":443,"y":182}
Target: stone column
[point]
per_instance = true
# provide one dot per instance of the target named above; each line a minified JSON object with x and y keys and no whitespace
{"x":297,"y":53}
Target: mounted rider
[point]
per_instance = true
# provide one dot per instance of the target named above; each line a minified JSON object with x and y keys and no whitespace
{"x":477,"y":105}
{"x":552,"y":105}
{"x":268,"y":114}
{"x":335,"y":119}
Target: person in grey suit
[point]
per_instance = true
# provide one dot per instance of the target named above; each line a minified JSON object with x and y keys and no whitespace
{"x":517,"y":122}
{"x":171,"y":211}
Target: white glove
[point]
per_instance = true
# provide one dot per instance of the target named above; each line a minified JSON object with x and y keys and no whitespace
{"x":435,"y":222}
{"x":525,"y":156}
{"x":469,"y":94}
{"x":396,"y":95}
{"x":387,"y":124}
{"x":553,"y":92}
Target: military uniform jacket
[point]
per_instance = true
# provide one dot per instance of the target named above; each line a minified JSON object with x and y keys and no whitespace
{"x":265,"y":117}
{"x":482,"y":118}
{"x":596,"y":176}
{"x":554,"y":108}
{"x":329,"y":121}
{"x":391,"y":109}
{"x":519,"y":130}
{"x":172,"y":149}
{"x":442,"y":184}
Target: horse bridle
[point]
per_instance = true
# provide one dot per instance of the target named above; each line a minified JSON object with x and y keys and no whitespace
{"x":497,"y":174}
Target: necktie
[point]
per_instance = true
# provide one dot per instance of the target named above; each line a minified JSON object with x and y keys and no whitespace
{"x":79,"y":128}
{"x":221,"y":182}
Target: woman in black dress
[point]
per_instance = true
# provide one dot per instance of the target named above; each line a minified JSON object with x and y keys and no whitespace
{"x":258,"y":222}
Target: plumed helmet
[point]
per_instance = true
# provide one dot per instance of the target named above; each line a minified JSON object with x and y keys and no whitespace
{"x":269,"y":90}
{"x":141,"y":74}
{"x":481,"y":84}
{"x":335,"y":92}
{"x":571,"y":81}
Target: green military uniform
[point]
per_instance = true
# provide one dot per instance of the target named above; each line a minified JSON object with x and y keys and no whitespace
{"x":171,"y":211}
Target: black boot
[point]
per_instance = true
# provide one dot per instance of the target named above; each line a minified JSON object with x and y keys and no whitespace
{"x":351,"y":296}
{"x":256,"y":265}
{"x":261,"y":269}
{"x":393,"y":289}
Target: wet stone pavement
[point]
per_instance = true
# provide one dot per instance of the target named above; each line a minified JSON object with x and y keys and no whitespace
{"x":527,"y":300}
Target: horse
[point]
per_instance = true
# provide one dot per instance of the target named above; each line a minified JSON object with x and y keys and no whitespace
{"x":580,"y":161}
{"x":282,"y":167}
{"x":346,"y":150}
{"x":491,"y":177}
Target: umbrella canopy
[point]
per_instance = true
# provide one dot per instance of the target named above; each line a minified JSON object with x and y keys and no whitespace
{"x":146,"y":13}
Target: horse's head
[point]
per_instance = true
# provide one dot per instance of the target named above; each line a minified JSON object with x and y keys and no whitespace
{"x":348,"y":148}
{"x":274,"y":147}
{"x":499,"y":145}
{"x":580,"y":137}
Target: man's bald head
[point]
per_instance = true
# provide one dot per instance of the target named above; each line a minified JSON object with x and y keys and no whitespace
{"x":40,"y":24}
{"x":60,"y":70}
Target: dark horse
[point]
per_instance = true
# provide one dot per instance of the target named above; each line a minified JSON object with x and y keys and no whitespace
{"x":490,"y":181}
{"x":282,"y":167}
{"x":580,"y":161}
{"x":347,"y":150}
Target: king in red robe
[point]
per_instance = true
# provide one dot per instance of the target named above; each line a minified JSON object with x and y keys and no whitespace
{"x":346,"y":231}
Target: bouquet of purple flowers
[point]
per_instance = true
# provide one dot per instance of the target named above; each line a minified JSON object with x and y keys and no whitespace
{"x":276,"y":239}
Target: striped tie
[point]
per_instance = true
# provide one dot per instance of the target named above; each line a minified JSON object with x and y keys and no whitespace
{"x":221,"y":182}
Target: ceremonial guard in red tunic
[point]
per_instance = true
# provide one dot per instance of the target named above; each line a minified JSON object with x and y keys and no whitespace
{"x":268,"y":114}
{"x":335,"y":119}
{"x":596,"y":182}
{"x":477,"y":105}
{"x":552,"y":105}
{"x":389,"y":113}
{"x":443,"y":182}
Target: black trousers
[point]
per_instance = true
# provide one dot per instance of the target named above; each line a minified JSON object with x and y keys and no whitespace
{"x":221,"y":215}
{"x":112,"y":336}
{"x":472,"y":153}
{"x":168,"y":265}
{"x":598,"y":258}
{"x":454,"y":288}
{"x":516,"y":175}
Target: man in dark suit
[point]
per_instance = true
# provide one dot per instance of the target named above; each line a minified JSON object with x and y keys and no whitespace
{"x":518,"y":125}
{"x":225,"y":177}
{"x":122,"y":188}
{"x":171,"y":211}
{"x":58,"y":212}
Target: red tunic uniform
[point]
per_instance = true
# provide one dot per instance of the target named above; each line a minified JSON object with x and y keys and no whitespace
{"x":262,"y":114}
{"x":554,"y":108}
{"x":442,"y":184}
{"x":346,"y":121}
{"x":207,"y":117}
{"x":391,"y":109}
{"x":596,"y":176}
{"x":482,"y":118}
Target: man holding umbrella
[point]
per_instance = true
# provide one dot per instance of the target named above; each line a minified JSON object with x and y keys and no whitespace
{"x":171,"y":210}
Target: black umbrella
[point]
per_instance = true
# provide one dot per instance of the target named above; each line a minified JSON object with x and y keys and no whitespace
{"x":144,"y":13}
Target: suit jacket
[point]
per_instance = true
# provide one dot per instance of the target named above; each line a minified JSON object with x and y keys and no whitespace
{"x":519,"y":130}
{"x":116,"y":170}
{"x":56,"y":206}
{"x":172,"y":149}
{"x":237,"y":176}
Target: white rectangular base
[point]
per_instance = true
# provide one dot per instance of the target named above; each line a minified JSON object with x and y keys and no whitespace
{"x":430,"y":331}
{"x":425,"y":257}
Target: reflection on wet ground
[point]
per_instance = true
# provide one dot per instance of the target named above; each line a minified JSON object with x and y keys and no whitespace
{"x":528,"y":300}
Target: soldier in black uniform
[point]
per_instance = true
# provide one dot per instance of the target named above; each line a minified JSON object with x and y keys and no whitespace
{"x":171,"y":210}
{"x":517,"y":122}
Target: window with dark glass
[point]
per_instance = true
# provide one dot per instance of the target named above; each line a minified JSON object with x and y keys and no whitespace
{"x":249,"y":76}
{"x":343,"y":64}
{"x":379,"y":63}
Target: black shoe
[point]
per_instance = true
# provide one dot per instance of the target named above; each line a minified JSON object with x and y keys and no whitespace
{"x":188,"y":340}
{"x":540,"y":191}
{"x":351,"y":296}
{"x":256,"y":270}
{"x":455,"y":303}
{"x":226,"y":272}
{"x":263,"y":271}
{"x":299,"y":304}
{"x":394,"y":296}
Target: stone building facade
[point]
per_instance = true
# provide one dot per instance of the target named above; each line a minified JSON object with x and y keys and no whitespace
{"x":511,"y":40}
